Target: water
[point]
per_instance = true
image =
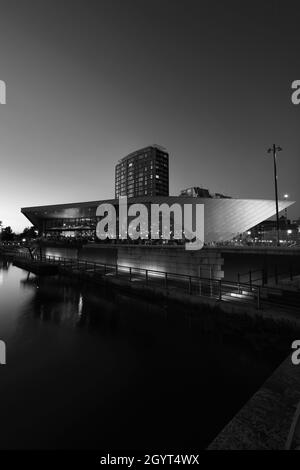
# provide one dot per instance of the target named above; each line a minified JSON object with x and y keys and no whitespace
{"x":92,"y":368}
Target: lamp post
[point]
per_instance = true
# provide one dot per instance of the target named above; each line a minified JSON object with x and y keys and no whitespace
{"x":274,"y":151}
{"x":286,"y":196}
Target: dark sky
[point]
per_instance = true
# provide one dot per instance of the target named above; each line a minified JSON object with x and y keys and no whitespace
{"x":90,"y":81}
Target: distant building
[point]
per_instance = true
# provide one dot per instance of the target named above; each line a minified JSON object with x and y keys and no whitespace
{"x":144,"y":172}
{"x":196,"y":191}
{"x":297,"y":222}
{"x":267,"y":230}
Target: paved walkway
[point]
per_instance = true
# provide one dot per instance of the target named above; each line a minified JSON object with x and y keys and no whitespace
{"x":265,"y":422}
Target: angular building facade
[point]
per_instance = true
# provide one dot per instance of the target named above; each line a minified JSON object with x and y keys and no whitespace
{"x":144,"y":172}
{"x":224,"y":219}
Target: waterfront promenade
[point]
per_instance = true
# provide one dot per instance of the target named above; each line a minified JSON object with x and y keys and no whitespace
{"x":185,"y":288}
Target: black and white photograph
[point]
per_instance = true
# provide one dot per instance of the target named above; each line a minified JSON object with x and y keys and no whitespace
{"x":149,"y":229}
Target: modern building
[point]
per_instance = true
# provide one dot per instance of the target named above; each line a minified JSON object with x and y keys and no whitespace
{"x":224,"y":219}
{"x":144,"y":172}
{"x":266,"y":231}
{"x":196,"y":191}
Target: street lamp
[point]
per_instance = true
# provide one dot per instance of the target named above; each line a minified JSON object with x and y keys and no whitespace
{"x":286,"y":196}
{"x":274,"y":151}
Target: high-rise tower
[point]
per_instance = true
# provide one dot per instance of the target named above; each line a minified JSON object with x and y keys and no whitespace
{"x":144,"y":172}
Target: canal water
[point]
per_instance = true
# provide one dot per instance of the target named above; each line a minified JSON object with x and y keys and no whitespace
{"x":94,"y":368}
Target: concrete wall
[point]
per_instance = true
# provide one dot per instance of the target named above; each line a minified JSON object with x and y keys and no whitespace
{"x":265,"y":422}
{"x":203,"y":263}
{"x":59,"y":251}
{"x":241,"y":262}
{"x":106,"y":254}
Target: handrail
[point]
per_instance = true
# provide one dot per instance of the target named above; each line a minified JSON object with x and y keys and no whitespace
{"x":118,"y":266}
{"x":217,"y":289}
{"x":193,"y":285}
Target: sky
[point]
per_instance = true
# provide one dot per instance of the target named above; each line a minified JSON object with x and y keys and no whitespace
{"x":91,"y":81}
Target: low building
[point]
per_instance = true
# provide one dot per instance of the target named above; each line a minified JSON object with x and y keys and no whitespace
{"x":266,"y":231}
{"x":197,"y":191}
{"x":76,"y":223}
{"x":224,"y":218}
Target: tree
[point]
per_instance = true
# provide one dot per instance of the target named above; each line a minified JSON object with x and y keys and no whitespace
{"x":7,"y":234}
{"x":28,"y":233}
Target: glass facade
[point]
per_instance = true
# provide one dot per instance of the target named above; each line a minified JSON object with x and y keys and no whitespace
{"x":143,"y":173}
{"x":80,"y":227}
{"x":84,"y":228}
{"x":224,"y":218}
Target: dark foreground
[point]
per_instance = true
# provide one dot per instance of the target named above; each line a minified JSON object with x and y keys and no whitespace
{"x":89,"y":368}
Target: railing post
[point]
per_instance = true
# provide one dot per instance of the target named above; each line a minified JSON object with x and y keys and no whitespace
{"x":190,"y":285}
{"x":250,"y":279}
{"x":265,"y":276}
{"x":130,"y":274}
{"x":146,"y":276}
{"x":116,"y":270}
{"x":239,"y":280}
{"x":166,"y":280}
{"x":220,"y":289}
{"x":200,"y":286}
{"x":258,"y":298}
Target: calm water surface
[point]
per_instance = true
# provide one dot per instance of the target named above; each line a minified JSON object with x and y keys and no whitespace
{"x":89,"y":368}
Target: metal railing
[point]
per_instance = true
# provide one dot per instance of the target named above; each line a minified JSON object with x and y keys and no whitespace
{"x":264,"y":276}
{"x":251,"y":276}
{"x":217,"y":289}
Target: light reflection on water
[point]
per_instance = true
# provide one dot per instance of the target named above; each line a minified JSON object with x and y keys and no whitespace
{"x":93,"y":368}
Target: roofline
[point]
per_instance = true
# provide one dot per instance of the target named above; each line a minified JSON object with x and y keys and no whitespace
{"x":140,"y":199}
{"x":143,"y":149}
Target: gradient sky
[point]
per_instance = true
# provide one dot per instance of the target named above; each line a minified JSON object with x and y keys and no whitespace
{"x":90,"y":81}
